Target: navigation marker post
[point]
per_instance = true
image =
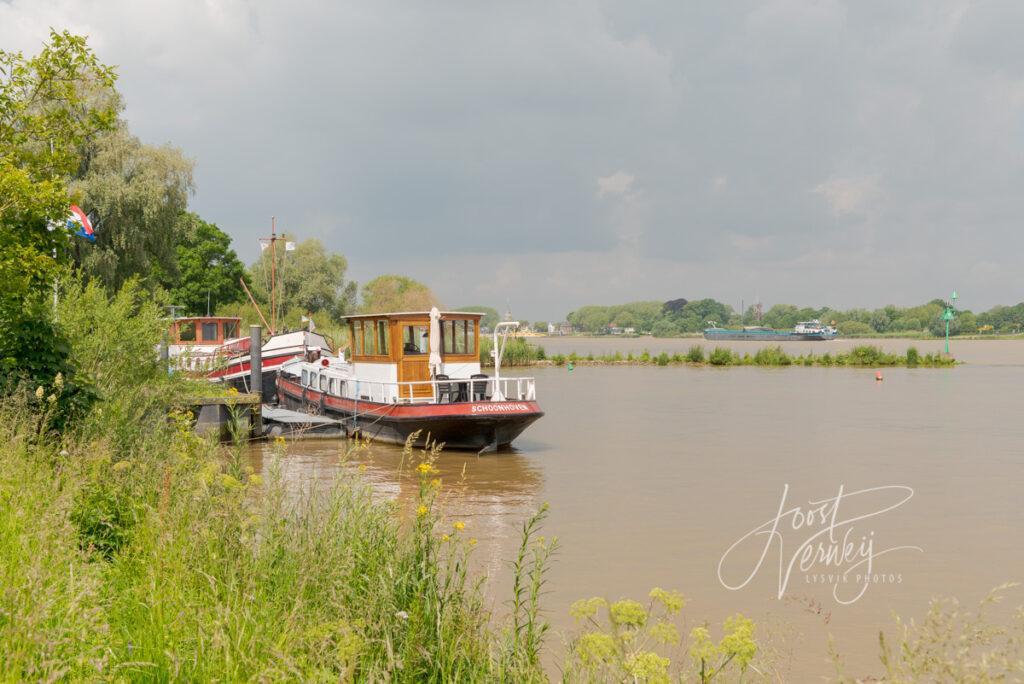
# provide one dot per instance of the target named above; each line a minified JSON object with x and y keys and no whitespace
{"x":947,"y":316}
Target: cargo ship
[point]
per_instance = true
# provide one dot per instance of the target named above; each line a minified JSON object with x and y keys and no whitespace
{"x":804,"y":331}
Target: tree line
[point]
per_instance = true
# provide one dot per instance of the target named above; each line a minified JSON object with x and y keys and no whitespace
{"x":64,"y":142}
{"x":681,"y":316}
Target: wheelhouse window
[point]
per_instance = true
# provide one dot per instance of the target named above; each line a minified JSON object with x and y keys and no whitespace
{"x":458,"y":337}
{"x":414,"y":339}
{"x":209,"y":331}
{"x":305,"y":378}
{"x":187,"y":331}
{"x":356,"y":330}
{"x":323,"y":383}
{"x":382,"y":338}
{"x":230,"y":329}
{"x":367,"y":337}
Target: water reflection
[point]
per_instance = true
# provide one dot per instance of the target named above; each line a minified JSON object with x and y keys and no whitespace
{"x":491,"y":493}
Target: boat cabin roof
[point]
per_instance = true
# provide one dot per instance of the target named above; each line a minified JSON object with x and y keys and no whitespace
{"x":413,"y":314}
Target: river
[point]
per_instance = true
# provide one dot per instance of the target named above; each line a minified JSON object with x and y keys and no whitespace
{"x":653,"y":473}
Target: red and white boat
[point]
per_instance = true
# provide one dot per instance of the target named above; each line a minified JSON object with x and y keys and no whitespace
{"x":415,"y":372}
{"x":210,"y":346}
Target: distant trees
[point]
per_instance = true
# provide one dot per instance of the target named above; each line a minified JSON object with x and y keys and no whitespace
{"x":309,"y":280}
{"x":490,"y":314}
{"x":596,"y":319}
{"x":396,"y":293}
{"x":681,"y":316}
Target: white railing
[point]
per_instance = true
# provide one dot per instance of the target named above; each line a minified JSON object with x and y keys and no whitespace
{"x":455,"y":390}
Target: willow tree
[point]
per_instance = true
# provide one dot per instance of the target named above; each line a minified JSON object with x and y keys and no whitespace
{"x":310,"y":280}
{"x":396,"y":293}
{"x":138,"y":192}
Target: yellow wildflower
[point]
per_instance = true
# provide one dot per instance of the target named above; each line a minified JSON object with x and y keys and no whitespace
{"x":672,"y":600}
{"x":648,"y":667}
{"x":586,"y":608}
{"x":459,"y":525}
{"x":664,"y":632}
{"x":445,"y":537}
{"x":255,"y":480}
{"x":362,"y":467}
{"x":628,"y":612}
{"x":229,"y":482}
{"x":426,"y":469}
{"x":435,"y":483}
{"x":596,"y":647}
{"x":421,"y":511}
{"x":472,"y":542}
{"x":52,"y":398}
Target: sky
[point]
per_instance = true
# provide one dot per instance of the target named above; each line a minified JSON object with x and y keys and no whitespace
{"x":542,"y":155}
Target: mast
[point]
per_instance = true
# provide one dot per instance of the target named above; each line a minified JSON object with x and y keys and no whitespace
{"x":273,"y":275}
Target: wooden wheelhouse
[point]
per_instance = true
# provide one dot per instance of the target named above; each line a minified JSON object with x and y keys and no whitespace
{"x":395,"y":348}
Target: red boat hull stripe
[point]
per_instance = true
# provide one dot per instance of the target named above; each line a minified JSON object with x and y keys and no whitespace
{"x":484,"y":408}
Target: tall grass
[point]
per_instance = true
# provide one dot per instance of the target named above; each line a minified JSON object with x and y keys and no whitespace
{"x":178,"y":563}
{"x":518,"y":352}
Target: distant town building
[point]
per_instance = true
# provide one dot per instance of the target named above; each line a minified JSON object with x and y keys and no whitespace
{"x":559,"y":329}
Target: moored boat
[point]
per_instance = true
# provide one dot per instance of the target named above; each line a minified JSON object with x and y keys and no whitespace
{"x":415,"y":372}
{"x":804,"y":331}
{"x":210,"y":346}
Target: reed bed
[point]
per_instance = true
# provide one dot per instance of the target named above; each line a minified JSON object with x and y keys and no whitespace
{"x":863,"y":356}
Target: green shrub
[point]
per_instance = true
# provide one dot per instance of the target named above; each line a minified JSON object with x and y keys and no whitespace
{"x":662,"y":359}
{"x":772,"y":356}
{"x":913,"y":358}
{"x":720,"y":356}
{"x":695,"y":354}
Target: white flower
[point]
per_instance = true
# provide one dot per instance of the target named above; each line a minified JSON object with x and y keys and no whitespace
{"x":39,"y":392}
{"x":59,"y":380}
{"x":402,"y":614}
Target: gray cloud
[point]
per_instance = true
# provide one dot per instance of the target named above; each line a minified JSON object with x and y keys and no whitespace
{"x":555,"y":154}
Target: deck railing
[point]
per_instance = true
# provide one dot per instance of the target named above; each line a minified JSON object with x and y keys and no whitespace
{"x":440,"y":391}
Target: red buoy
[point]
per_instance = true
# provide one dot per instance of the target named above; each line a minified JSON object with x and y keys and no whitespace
{"x":878,"y":376}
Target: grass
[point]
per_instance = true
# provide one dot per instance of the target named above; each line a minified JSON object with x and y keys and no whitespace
{"x":173,"y":561}
{"x":862,"y":356}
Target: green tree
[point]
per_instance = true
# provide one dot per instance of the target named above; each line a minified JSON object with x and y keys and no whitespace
{"x":490,"y":314}
{"x":139,"y":192}
{"x":51,"y":107}
{"x":309,"y":280}
{"x":389,"y":293}
{"x":208,"y":270}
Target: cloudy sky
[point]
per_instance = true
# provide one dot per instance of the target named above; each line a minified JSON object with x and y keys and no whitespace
{"x":552,"y":154}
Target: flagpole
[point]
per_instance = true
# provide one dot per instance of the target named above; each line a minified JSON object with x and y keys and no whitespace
{"x":273,"y":275}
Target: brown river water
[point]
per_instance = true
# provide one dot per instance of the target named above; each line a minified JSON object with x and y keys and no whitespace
{"x":653,"y":474}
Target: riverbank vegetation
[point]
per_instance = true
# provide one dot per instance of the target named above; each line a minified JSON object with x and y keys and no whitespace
{"x":521,"y":353}
{"x":680,"y":317}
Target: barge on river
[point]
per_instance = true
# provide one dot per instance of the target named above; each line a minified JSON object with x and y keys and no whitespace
{"x":805,"y":331}
{"x":415,"y":372}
